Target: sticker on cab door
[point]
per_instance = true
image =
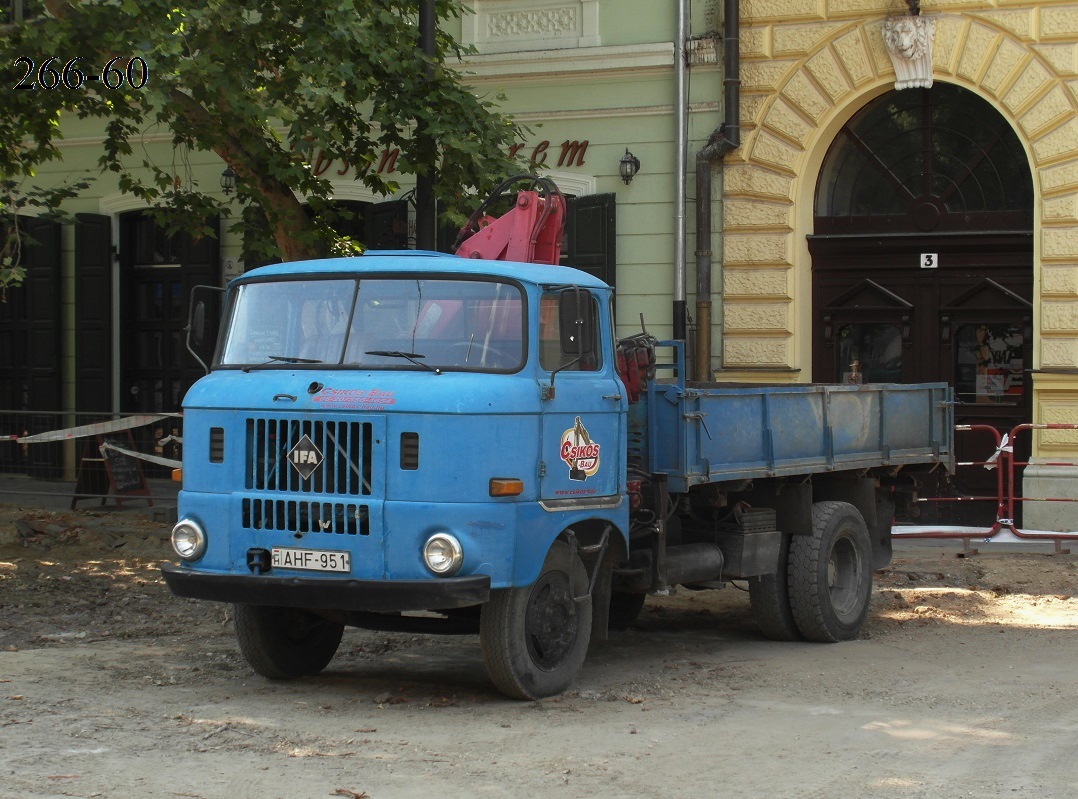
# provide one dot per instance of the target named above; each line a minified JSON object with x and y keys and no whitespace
{"x":579,"y":452}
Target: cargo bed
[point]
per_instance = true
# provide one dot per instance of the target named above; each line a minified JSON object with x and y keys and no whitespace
{"x":717,"y":432}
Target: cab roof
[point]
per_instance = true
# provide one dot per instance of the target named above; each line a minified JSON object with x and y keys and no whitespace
{"x":422,"y":261}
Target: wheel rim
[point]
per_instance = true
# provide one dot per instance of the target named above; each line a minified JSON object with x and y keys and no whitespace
{"x":551,"y":620}
{"x":843,"y":576}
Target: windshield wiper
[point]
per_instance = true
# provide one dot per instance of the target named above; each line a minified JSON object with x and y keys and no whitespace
{"x":412,"y":357}
{"x":280,"y":359}
{"x":293,"y":359}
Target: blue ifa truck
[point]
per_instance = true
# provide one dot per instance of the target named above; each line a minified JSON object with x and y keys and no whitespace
{"x":416,"y":441}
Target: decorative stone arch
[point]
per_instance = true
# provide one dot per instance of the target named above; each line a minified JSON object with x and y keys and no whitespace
{"x":791,"y":112}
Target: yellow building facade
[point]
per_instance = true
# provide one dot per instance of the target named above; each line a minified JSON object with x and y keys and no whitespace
{"x":807,"y":68}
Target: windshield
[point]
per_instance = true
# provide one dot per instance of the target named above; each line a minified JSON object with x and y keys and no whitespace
{"x":385,"y":323}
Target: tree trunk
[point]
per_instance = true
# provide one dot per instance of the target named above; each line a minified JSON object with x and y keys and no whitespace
{"x":290,"y":224}
{"x":292,"y":228}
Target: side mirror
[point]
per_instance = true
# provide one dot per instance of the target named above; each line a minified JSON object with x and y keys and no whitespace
{"x":198,"y":323}
{"x":576,"y":317}
{"x":202,"y":332}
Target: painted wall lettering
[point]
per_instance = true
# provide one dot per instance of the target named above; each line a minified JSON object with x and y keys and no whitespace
{"x":573,"y":149}
{"x":572,"y":154}
{"x":321,"y":164}
{"x":386,"y":159}
{"x":539,"y":153}
{"x":388,"y":164}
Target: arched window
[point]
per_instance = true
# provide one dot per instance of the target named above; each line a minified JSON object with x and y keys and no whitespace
{"x":925,"y":161}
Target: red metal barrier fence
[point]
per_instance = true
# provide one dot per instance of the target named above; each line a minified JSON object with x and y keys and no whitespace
{"x":1008,"y":493}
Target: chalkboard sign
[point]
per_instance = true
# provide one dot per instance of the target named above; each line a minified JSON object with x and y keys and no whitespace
{"x":125,"y":472}
{"x":123,"y":477}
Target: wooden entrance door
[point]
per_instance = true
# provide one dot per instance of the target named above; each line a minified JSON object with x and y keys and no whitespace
{"x":30,"y":353}
{"x":922,"y":263}
{"x":158,"y":272}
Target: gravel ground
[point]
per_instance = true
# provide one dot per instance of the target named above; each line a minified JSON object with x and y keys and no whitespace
{"x":962,"y":684}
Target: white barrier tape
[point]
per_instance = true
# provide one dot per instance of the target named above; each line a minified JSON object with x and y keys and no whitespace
{"x":141,"y":455}
{"x":170,"y":439}
{"x":96,"y":429}
{"x":1004,"y":446}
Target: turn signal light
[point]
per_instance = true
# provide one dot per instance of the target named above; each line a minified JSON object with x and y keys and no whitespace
{"x":506,"y":487}
{"x":177,"y":475}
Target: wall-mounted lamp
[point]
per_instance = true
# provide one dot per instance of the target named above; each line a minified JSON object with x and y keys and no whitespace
{"x":628,"y":166}
{"x":228,"y":180}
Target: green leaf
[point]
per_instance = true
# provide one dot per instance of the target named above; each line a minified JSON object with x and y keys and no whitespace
{"x":343,"y":78}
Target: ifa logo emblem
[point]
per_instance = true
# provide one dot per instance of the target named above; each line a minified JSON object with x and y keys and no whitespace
{"x":305,"y":457}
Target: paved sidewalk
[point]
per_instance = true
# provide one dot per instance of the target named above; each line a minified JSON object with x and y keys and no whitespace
{"x":57,"y":495}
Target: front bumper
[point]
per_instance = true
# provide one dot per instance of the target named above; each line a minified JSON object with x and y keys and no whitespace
{"x":379,"y":596}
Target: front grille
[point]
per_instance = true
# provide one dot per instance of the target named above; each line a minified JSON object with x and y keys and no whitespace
{"x":345,"y":448}
{"x":293,"y":516}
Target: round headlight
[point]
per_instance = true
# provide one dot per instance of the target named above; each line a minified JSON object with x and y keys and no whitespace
{"x":442,"y":554}
{"x":188,"y":540}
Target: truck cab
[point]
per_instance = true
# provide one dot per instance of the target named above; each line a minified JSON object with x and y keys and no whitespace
{"x":405,"y":431}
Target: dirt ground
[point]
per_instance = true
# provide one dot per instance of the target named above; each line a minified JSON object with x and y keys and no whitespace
{"x":962,"y":684}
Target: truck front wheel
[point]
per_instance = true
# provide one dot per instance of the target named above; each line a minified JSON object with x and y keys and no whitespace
{"x":830,"y":574}
{"x":285,"y":643}
{"x":534,"y":639}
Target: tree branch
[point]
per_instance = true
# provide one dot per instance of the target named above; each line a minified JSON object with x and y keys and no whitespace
{"x":287,"y":217}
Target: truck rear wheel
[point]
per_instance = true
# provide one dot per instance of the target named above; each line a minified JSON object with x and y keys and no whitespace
{"x":830,"y":574}
{"x":534,"y":639}
{"x":285,"y":643}
{"x":769,"y":595}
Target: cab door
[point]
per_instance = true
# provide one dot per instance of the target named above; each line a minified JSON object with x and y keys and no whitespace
{"x":583,"y":450}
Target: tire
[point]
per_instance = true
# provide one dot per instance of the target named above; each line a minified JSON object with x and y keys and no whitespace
{"x":769,"y":595}
{"x":534,"y":639}
{"x":285,"y":643}
{"x":830,"y":574}
{"x":624,"y":609}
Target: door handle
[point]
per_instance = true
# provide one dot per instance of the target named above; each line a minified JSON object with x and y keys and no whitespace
{"x":612,"y":396}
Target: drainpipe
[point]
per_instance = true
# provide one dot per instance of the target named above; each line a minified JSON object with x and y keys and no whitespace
{"x":425,"y":224}
{"x":724,"y":139}
{"x":681,"y":145}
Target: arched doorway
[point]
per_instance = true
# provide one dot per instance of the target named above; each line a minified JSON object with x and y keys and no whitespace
{"x":922,"y":260}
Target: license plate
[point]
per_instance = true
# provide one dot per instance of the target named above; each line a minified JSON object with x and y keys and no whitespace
{"x":314,"y":560}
